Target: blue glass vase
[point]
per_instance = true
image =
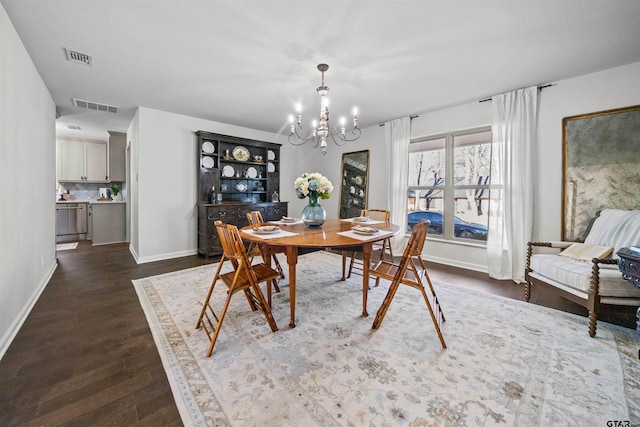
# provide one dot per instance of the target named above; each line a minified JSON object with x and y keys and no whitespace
{"x":313,"y":215}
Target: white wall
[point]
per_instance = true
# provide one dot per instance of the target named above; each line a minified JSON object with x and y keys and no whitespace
{"x":164,"y":160}
{"x":27,"y":183}
{"x":613,"y":88}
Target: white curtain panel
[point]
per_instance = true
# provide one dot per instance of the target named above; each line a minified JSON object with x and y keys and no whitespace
{"x":397,"y":134}
{"x":511,"y":196}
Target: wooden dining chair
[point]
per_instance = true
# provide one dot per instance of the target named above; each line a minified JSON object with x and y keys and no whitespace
{"x":410,"y":271}
{"x":255,"y":219}
{"x":384,"y":247}
{"x":244,"y":277}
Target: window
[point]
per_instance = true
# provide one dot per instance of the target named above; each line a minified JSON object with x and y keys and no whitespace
{"x":449,"y":178}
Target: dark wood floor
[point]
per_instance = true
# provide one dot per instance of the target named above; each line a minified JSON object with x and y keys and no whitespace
{"x":85,"y":355}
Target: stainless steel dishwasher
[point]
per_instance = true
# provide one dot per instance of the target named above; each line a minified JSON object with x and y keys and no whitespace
{"x":71,"y":222}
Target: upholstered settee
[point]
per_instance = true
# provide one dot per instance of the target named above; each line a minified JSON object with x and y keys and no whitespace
{"x":588,"y":283}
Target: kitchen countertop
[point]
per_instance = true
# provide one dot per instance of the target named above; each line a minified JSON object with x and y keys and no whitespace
{"x":92,"y":202}
{"x":113,"y":202}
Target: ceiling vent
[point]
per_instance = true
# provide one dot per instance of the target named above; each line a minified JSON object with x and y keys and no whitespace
{"x":90,"y":105}
{"x":79,"y":57}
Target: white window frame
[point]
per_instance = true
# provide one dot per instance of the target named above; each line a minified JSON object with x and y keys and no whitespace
{"x":448,"y":188}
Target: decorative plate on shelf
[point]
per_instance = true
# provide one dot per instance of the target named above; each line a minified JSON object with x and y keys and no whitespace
{"x":208,"y":147}
{"x":240,"y":153}
{"x":271,"y":155}
{"x":241,"y":186}
{"x":207,"y":162}
{"x":252,"y":172}
{"x":228,"y":171}
{"x":271,"y":167}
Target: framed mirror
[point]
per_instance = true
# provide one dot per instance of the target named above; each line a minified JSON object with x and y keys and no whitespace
{"x":355,"y":183}
{"x":601,"y":164}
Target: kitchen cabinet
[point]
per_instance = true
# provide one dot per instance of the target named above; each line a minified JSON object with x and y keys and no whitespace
{"x":81,"y":161}
{"x":117,"y":156}
{"x":108,"y":222}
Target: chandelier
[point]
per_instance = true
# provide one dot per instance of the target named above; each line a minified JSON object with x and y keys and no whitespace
{"x":320,"y":129}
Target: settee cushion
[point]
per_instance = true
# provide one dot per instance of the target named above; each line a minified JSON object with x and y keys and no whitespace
{"x":615,"y":228}
{"x":577,"y":275}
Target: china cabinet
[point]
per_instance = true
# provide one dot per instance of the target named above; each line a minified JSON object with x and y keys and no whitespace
{"x":354,"y":186}
{"x":243,"y":175}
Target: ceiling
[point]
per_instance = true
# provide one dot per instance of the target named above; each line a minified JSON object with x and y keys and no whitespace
{"x":248,"y":63}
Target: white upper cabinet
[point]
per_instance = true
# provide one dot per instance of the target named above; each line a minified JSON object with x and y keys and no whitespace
{"x":96,"y":162}
{"x":70,"y":160}
{"x":81,"y":161}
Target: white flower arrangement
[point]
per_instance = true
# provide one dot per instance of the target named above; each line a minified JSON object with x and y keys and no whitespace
{"x":313,"y":185}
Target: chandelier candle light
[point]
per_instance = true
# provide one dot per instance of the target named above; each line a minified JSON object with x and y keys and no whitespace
{"x":314,"y":186}
{"x":321,"y":129}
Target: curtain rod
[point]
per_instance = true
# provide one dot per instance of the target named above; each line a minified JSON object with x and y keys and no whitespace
{"x":539,"y":88}
{"x":411,"y":117}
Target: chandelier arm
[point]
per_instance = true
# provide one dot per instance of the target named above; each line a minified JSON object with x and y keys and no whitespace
{"x":355,"y":131}
{"x":296,"y":139}
{"x":339,"y":141}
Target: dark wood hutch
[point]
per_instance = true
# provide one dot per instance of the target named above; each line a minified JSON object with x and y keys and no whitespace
{"x":245,"y":176}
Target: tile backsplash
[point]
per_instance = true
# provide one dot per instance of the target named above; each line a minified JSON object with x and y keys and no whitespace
{"x":87,"y":191}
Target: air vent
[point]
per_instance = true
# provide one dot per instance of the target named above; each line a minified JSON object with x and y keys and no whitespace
{"x":79,"y":57}
{"x":90,"y":105}
{"x":74,"y":127}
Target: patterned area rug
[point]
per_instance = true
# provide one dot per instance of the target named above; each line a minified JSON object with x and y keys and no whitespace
{"x":508,"y":362}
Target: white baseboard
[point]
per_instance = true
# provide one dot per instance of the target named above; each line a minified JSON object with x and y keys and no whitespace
{"x":15,"y":326}
{"x":456,"y":263}
{"x":161,"y":257}
{"x":133,"y":253}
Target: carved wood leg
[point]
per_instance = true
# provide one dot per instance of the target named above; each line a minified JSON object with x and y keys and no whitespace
{"x":527,"y":291}
{"x":292,"y":260}
{"x":592,"y":324}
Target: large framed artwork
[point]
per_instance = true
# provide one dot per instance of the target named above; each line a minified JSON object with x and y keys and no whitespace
{"x":601,"y":166}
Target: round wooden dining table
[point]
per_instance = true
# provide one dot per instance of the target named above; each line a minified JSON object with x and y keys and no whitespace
{"x":324,"y":237}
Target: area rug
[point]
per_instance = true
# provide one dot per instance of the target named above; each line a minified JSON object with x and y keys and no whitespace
{"x":507,"y":363}
{"x":66,"y":246}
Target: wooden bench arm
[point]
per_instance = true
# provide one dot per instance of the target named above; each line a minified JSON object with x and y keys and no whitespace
{"x":549,"y":244}
{"x":609,"y":261}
